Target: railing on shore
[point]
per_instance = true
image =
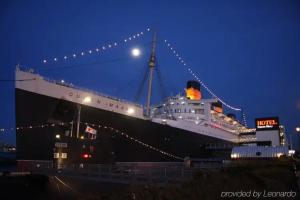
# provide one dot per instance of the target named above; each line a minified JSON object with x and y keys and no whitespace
{"x":124,"y":173}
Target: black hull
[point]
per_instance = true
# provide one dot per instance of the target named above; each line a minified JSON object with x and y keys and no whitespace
{"x":110,"y":146}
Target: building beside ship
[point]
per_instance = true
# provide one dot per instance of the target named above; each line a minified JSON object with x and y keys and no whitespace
{"x":270,"y":141}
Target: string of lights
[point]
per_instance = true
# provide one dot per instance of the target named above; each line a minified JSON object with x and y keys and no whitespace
{"x":96,"y":50}
{"x":244,"y":119}
{"x":136,"y":140}
{"x":122,"y":133}
{"x":188,"y":67}
{"x":33,"y":126}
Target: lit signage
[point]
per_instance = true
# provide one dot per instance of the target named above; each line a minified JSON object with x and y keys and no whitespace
{"x":270,"y":123}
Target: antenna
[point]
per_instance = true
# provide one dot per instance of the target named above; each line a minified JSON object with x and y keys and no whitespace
{"x":152,"y":62}
{"x":18,"y":66}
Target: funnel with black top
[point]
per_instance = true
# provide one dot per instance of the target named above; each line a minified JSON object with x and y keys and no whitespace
{"x":193,"y":90}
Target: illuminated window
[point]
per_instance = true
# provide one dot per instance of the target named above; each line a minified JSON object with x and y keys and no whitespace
{"x":92,"y":136}
{"x":64,"y":155}
{"x":56,"y":155}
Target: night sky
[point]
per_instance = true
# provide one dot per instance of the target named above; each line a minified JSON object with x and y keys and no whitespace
{"x":247,"y":52}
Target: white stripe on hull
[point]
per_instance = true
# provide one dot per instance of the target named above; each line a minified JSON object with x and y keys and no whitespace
{"x":61,"y":91}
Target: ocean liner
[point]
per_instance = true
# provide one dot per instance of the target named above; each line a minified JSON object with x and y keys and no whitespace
{"x":58,"y":121}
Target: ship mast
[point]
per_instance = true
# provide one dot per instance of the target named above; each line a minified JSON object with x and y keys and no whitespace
{"x":152,"y":61}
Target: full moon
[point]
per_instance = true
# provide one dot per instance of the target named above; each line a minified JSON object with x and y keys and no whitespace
{"x":135,"y":52}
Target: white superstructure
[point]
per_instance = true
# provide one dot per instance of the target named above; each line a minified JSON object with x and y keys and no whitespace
{"x":197,"y":116}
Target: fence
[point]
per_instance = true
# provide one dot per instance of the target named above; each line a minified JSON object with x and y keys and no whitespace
{"x":124,"y":173}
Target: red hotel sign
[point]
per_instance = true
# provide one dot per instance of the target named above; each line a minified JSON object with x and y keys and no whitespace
{"x":270,"y":123}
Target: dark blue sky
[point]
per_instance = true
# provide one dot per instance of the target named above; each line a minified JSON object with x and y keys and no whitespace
{"x":247,"y":52}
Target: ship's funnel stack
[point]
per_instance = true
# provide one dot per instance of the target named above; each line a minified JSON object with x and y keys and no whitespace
{"x":217,"y":107}
{"x":193,"y":90}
